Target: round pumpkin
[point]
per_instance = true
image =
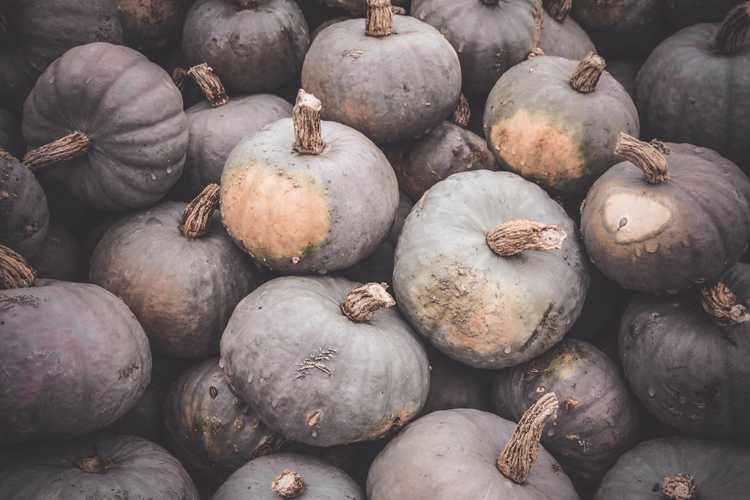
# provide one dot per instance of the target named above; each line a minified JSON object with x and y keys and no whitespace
{"x":555,"y":121}
{"x":561,"y":35}
{"x":678,"y":94}
{"x":473,"y":269}
{"x":178,"y":271}
{"x":308,"y":196}
{"x":682,"y":13}
{"x":98,"y":467}
{"x":320,"y":363}
{"x":669,"y":217}
{"x":152,"y":25}
{"x":60,"y":256}
{"x":24,"y":215}
{"x":109,"y":126}
{"x":11,"y":141}
{"x":454,"y":385}
{"x":598,"y":418}
{"x":359,"y":7}
{"x":678,"y":468}
{"x":352,"y":65}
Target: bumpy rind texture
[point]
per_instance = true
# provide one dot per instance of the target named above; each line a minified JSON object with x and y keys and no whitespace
{"x":24,"y":214}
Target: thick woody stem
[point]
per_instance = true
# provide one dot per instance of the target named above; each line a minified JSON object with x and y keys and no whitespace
{"x":63,"y":149}
{"x":650,"y":158}
{"x":538,"y":15}
{"x":462,"y":113}
{"x":306,"y":121}
{"x":721,"y":303}
{"x":5,"y":155}
{"x":731,"y":36}
{"x":587,"y":73}
{"x":15,"y":272}
{"x":379,"y":20}
{"x":364,"y":301}
{"x":93,"y":465}
{"x":678,"y":487}
{"x":208,"y":81}
{"x":518,"y":236}
{"x":197,"y":214}
{"x":558,"y":9}
{"x":520,"y":453}
{"x":288,"y":484}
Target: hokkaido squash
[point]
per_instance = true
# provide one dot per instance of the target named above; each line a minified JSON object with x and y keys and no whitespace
{"x":24,"y":214}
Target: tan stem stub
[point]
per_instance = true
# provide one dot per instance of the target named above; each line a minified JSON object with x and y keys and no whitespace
{"x":678,"y":487}
{"x":520,"y":453}
{"x":179,"y":75}
{"x":308,"y":138}
{"x":732,"y":34}
{"x":65,"y":148}
{"x":558,"y":9}
{"x":723,"y":305}
{"x":15,"y":272}
{"x":364,"y":301}
{"x":379,"y":21}
{"x":93,"y":464}
{"x":521,"y":235}
{"x":535,"y":52}
{"x":203,"y":75}
{"x":538,"y":16}
{"x":197,"y":215}
{"x":5,"y":155}
{"x":288,"y":484}
{"x":462,"y":113}
{"x":650,"y":159}
{"x":586,"y":75}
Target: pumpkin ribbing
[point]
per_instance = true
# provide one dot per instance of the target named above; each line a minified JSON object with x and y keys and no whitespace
{"x":558,"y":9}
{"x":288,"y":484}
{"x":587,"y":73}
{"x":379,"y":21}
{"x":518,"y":236}
{"x":650,"y":158}
{"x":198,"y":212}
{"x":679,"y":487}
{"x":65,"y":148}
{"x":721,"y":303}
{"x":364,"y":301}
{"x":306,"y":123}
{"x":15,"y":272}
{"x":731,"y":36}
{"x":209,"y":83}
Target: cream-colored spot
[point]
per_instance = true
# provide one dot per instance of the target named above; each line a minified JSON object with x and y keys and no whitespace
{"x":633,"y":218}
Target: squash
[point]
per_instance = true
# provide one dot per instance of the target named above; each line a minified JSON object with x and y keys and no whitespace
{"x":152,"y":25}
{"x":98,"y":467}
{"x":24,"y":214}
{"x":116,"y":144}
{"x":434,"y":456}
{"x":11,"y":141}
{"x":353,"y":65}
{"x":598,"y":418}
{"x":561,"y":35}
{"x":669,"y":217}
{"x":74,"y":357}
{"x":454,"y":385}
{"x":60,"y":256}
{"x":473,"y":266}
{"x":683,"y":13}
{"x":307,"y":196}
{"x":555,"y":121}
{"x":321,"y":364}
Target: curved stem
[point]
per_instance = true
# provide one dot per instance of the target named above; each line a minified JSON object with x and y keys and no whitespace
{"x":306,"y":121}
{"x":197,"y":215}
{"x":209,"y":83}
{"x":558,"y":9}
{"x":586,"y":75}
{"x":538,"y":16}
{"x":462,"y":113}
{"x":678,"y":487}
{"x":521,"y":235}
{"x":364,"y":301}
{"x":733,"y":31}
{"x":721,"y":303}
{"x":15,"y":272}
{"x":650,"y":158}
{"x":288,"y":484}
{"x":65,"y":148}
{"x":379,"y":20}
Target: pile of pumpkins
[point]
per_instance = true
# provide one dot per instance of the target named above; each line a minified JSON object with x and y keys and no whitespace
{"x":374,"y":249}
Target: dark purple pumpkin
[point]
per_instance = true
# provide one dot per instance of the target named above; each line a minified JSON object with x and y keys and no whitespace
{"x":152,"y":25}
{"x":682,"y":13}
{"x":60,"y":256}
{"x":454,"y":385}
{"x":24,"y":215}
{"x":11,"y":140}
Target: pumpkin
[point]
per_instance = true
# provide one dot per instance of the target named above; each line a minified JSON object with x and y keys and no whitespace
{"x":11,"y":141}
{"x":359,"y":7}
{"x":255,"y":45}
{"x":33,"y":33}
{"x":678,"y":468}
{"x":287,"y":475}
{"x":682,"y":13}
{"x":555,"y":121}
{"x":209,"y":428}
{"x":118,"y":143}
{"x":74,"y":357}
{"x":60,"y":256}
{"x":151,"y":25}
{"x":561,"y":35}
{"x":177,"y":270}
{"x":353,"y":65}
{"x":99,"y":467}
{"x":668,"y":217}
{"x":433,"y":457}
{"x":321,"y":364}
{"x":473,"y":266}
{"x":625,"y":72}
{"x":685,"y":357}
{"x":678,"y":95}
{"x":454,"y":385}
{"x":598,"y":418}
{"x":24,"y":215}
{"x":306,"y":195}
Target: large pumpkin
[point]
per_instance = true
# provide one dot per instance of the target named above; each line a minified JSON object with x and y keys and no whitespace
{"x":11,"y":141}
{"x":682,"y":13}
{"x":321,"y":364}
{"x":678,"y":94}
{"x":555,"y":121}
{"x":353,"y":65}
{"x":152,"y":25}
{"x":24,"y":215}
{"x":474,"y":264}
{"x":669,"y":217}
{"x":110,"y":126}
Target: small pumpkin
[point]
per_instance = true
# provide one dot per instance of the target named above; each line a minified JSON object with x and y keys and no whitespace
{"x":670,"y":216}
{"x":352,"y":65}
{"x":152,"y":25}
{"x":473,"y":266}
{"x":24,"y":215}
{"x":118,"y":143}
{"x":11,"y":141}
{"x":320,"y":363}
{"x":60,"y":256}
{"x":454,"y":385}
{"x":683,"y":13}
{"x":433,"y":457}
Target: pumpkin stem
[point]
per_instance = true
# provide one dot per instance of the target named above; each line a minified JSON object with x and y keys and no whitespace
{"x":15,"y":272}
{"x":731,"y":35}
{"x":520,"y":235}
{"x":462,"y":113}
{"x":558,"y":9}
{"x":721,"y":303}
{"x":93,"y":465}
{"x":197,"y":214}
{"x":5,"y":155}
{"x":538,"y":15}
{"x":308,"y":139}
{"x":586,"y":76}
{"x":208,"y":81}
{"x":364,"y":301}
{"x":650,"y":158}
{"x":678,"y":487}
{"x":65,"y":148}
{"x":379,"y":20}
{"x":288,"y":484}
{"x":179,"y":75}
{"x":521,"y":451}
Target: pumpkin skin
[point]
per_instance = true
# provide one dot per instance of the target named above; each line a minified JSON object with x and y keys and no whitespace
{"x":454,"y":385}
{"x":598,"y":418}
{"x":564,"y":39}
{"x":51,"y":391}
{"x":359,"y":7}
{"x":60,"y":256}
{"x":433,"y":456}
{"x":182,"y":290}
{"x":132,"y":113}
{"x":415,"y":67}
{"x":670,"y":236}
{"x":379,"y":372}
{"x":719,"y":470}
{"x":476,"y":307}
{"x":541,"y":128}
{"x":255,"y":49}
{"x":322,"y":481}
{"x":24,"y":215}
{"x":56,"y":473}
{"x":682,"y":13}
{"x":152,"y":25}
{"x":10,"y":134}
{"x":625,"y":72}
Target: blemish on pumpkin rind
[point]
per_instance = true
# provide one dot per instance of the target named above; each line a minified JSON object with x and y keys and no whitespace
{"x":634,"y":218}
{"x":393,"y":422}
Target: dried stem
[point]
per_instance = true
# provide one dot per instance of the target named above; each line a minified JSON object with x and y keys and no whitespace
{"x":587,"y":73}
{"x":678,"y":487}
{"x":731,"y":36}
{"x":379,"y":20}
{"x":5,"y":155}
{"x":650,"y":158}
{"x":308,"y":138}
{"x":462,"y":113}
{"x":197,"y":215}
{"x":364,"y":301}
{"x":93,"y":465}
{"x":721,"y":303}
{"x":521,"y":235}
{"x":65,"y":148}
{"x":288,"y":484}
{"x":210,"y":84}
{"x":15,"y":272}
